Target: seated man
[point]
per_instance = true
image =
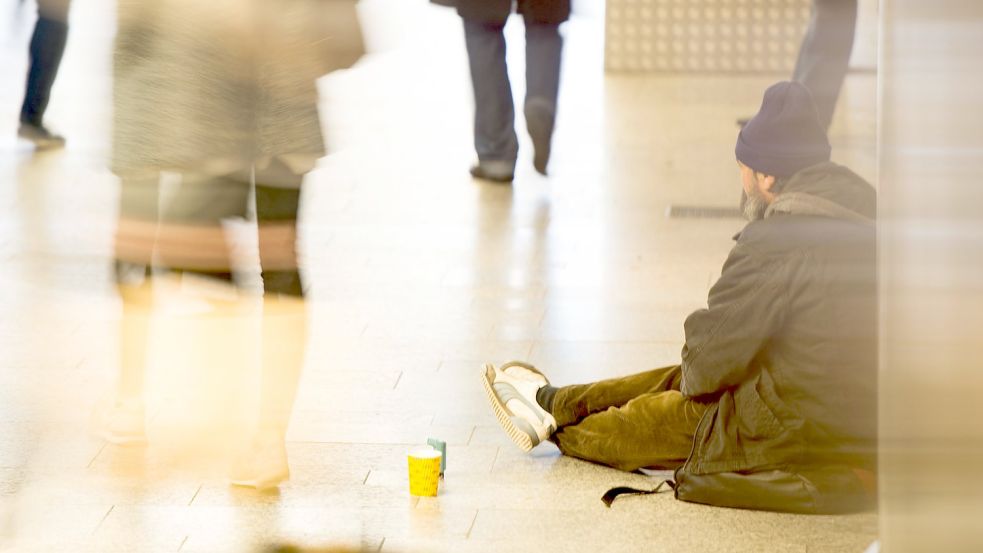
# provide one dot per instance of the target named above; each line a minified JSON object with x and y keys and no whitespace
{"x":774,"y":404}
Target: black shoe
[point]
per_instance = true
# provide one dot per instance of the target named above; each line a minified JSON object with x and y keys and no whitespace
{"x":40,"y":136}
{"x":480,"y":172}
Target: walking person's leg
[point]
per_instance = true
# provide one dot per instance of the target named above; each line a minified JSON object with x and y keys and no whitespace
{"x":284,"y":326}
{"x":186,"y":236}
{"x":495,"y":140}
{"x":824,"y":56}
{"x":284,"y":310}
{"x":134,"y":248}
{"x":544,"y":50}
{"x":46,"y":50}
{"x":193,"y":238}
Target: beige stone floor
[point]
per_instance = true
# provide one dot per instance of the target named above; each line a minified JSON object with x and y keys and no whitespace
{"x":417,"y":275}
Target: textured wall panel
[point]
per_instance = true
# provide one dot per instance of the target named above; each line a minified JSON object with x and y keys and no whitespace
{"x":711,"y":36}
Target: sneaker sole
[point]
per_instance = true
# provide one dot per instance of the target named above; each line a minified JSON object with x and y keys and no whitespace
{"x":519,"y":437}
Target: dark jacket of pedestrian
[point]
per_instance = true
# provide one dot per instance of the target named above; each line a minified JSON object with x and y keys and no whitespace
{"x":495,"y":11}
{"x":787,"y":350}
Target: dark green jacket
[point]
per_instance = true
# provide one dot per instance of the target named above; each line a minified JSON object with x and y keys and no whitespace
{"x":787,"y":351}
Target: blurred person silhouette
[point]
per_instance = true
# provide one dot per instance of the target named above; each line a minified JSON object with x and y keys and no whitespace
{"x":223,"y":94}
{"x":46,"y":50}
{"x":495,"y":140}
{"x":824,"y":56}
{"x":774,"y":404}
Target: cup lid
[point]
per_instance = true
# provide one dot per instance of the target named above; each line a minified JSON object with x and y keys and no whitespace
{"x":424,"y":452}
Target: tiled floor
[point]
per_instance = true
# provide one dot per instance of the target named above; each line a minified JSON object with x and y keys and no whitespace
{"x":418,"y":274}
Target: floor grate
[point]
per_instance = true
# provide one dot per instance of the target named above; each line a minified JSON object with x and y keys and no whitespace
{"x":703,"y":212}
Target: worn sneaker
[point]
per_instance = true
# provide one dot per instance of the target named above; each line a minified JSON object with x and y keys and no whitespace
{"x":40,"y":136}
{"x":512,"y":391}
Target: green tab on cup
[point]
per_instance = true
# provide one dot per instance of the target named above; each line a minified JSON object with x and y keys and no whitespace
{"x":442,"y":448}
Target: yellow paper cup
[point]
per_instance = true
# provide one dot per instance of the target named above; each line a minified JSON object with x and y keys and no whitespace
{"x":424,"y":465}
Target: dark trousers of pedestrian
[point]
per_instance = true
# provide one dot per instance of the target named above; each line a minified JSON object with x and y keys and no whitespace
{"x":495,"y":138}
{"x":46,"y":50}
{"x":824,"y":56}
{"x":637,"y":421}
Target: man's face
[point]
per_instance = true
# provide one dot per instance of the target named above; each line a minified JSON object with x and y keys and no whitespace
{"x":753,"y":201}
{"x":748,"y":179}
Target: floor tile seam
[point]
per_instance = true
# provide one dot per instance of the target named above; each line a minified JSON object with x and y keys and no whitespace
{"x":195,"y":496}
{"x":498,"y":451}
{"x":96,"y":456}
{"x":102,"y":520}
{"x":474,"y":520}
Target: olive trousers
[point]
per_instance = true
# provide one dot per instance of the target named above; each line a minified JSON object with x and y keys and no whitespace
{"x":637,"y":421}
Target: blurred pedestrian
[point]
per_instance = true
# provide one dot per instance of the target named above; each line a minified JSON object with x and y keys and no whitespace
{"x":222,"y":93}
{"x":495,"y":139}
{"x":46,"y":49}
{"x":824,"y":56}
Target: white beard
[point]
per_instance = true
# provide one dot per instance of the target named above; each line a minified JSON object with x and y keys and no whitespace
{"x":753,"y":206}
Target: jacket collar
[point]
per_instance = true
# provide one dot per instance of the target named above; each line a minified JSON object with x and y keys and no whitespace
{"x":802,"y":203}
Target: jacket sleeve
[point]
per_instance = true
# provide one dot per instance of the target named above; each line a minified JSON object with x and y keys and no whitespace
{"x":744,"y":309}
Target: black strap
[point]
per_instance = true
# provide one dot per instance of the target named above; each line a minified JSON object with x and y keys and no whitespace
{"x":613,"y":493}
